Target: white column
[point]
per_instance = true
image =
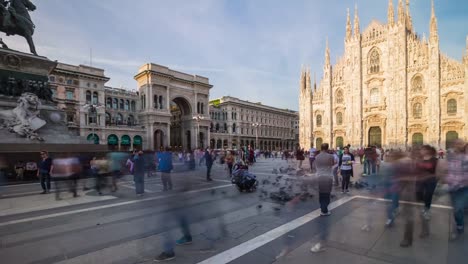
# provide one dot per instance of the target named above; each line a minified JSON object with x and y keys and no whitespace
{"x":168,"y":102}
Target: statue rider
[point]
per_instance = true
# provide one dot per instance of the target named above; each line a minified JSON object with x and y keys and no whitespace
{"x":7,"y":23}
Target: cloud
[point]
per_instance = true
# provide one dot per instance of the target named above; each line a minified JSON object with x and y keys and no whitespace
{"x":249,"y":49}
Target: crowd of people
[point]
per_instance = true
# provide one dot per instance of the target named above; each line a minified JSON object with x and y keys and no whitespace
{"x":411,"y":176}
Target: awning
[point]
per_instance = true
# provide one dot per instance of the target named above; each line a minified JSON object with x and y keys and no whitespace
{"x":93,"y":137}
{"x":125,"y":140}
{"x":112,"y":140}
{"x":137,"y":140}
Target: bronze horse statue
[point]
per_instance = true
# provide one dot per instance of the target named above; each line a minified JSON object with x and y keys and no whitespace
{"x":15,"y":20}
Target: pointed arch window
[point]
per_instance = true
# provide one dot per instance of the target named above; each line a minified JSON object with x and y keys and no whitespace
{"x":417,"y":111}
{"x":339,"y":97}
{"x":452,"y":107}
{"x":417,"y":84}
{"x":374,"y":96}
{"x":339,"y":118}
{"x":374,"y":61}
{"x":318,"y":120}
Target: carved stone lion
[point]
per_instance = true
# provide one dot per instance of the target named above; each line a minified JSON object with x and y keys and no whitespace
{"x":23,"y":119}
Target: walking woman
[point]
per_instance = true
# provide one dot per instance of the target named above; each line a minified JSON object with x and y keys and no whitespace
{"x":300,"y":157}
{"x":346,"y":168}
{"x":427,"y":180}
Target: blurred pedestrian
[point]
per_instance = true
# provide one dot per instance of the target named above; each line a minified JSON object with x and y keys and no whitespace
{"x":300,"y":157}
{"x":427,"y":179}
{"x":19,"y":170}
{"x":312,"y":152}
{"x":165,"y":167}
{"x":457,"y":180}
{"x":324,"y":163}
{"x":43,"y":172}
{"x":65,"y":171}
{"x":209,"y":163}
{"x":230,"y":162}
{"x":139,"y":173}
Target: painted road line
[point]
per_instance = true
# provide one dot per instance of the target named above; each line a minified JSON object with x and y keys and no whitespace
{"x":29,"y":219}
{"x":133,"y":187}
{"x":246,"y":247}
{"x":403,"y":202}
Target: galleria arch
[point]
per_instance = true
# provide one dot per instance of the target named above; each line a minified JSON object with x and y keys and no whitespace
{"x":174,"y":107}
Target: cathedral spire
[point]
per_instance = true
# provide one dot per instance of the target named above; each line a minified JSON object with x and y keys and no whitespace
{"x":409,"y":20}
{"x":357,"y":30}
{"x":391,"y":13}
{"x":315,"y":79}
{"x":308,"y":85}
{"x":434,"y":35}
{"x":401,"y":12}
{"x":327,"y":54}
{"x":348,"y":27}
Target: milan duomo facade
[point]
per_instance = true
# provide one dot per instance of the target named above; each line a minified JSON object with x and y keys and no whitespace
{"x":391,"y":88}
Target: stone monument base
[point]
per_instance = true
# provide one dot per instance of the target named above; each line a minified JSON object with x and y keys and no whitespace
{"x":23,"y":75}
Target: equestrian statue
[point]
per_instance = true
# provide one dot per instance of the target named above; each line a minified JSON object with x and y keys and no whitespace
{"x":15,"y":20}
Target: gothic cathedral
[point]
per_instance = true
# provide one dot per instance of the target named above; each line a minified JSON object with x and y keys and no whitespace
{"x":391,"y":88}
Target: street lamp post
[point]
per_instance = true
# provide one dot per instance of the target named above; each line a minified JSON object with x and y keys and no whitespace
{"x":198,"y":118}
{"x":92,"y":112}
{"x":256,"y":125}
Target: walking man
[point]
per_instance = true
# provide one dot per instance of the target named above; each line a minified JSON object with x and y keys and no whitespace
{"x":43,"y":172}
{"x":165,"y":167}
{"x":209,"y":163}
{"x":324,"y":163}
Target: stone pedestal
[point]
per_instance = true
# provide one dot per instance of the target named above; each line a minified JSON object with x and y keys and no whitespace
{"x":24,"y":76}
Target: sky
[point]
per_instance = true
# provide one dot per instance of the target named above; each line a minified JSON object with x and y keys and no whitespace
{"x":250,"y":49}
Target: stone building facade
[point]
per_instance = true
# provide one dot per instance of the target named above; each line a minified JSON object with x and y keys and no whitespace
{"x":174,"y":107}
{"x":236,"y":122}
{"x":391,"y":87}
{"x":116,"y":120}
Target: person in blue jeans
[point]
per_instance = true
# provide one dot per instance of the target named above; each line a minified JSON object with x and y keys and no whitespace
{"x":43,"y":172}
{"x":165,"y":167}
{"x":457,"y":180}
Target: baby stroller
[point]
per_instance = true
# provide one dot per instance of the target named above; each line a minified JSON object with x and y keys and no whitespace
{"x":242,"y":178}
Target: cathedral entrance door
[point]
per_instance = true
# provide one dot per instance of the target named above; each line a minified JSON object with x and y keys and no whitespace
{"x":375,"y":136}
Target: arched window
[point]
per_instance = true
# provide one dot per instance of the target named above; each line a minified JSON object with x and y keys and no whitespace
{"x":318,"y":142}
{"x":318,"y":120}
{"x":95,"y":98}
{"x":127,"y":105}
{"x":109,"y":102}
{"x":339,"y":97}
{"x":374,"y":96}
{"x":130,"y":120}
{"x":217,"y":127}
{"x":121,"y":104}
{"x":160,"y":102}
{"x":202,"y":108}
{"x":119,"y":119}
{"x":133,"y":106}
{"x":374,"y":61}
{"x":198,"y":107}
{"x":155,"y":101}
{"x":339,"y":142}
{"x":108,"y":118}
{"x":452,"y":107}
{"x":88,"y":97}
{"x":417,"y":110}
{"x":339,"y":119}
{"x":225,"y":127}
{"x":417,"y":84}
{"x":234,"y":128}
{"x":115,"y":104}
{"x":418,"y":139}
